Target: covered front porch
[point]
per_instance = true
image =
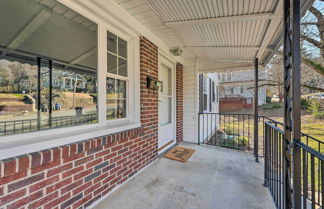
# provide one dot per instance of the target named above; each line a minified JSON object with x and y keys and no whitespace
{"x":213,"y":178}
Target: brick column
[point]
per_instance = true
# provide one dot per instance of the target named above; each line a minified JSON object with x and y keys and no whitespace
{"x":149,"y":98}
{"x":179,"y":102}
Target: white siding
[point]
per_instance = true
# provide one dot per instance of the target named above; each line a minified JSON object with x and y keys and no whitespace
{"x":209,"y":123}
{"x":190,"y":102}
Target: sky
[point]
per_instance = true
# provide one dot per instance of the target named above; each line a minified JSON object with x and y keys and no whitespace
{"x":309,"y":17}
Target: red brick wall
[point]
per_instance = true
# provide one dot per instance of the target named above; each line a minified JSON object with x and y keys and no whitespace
{"x":179,"y":102}
{"x":78,"y":174}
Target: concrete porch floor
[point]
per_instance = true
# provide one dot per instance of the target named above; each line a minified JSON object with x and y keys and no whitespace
{"x":213,"y":178}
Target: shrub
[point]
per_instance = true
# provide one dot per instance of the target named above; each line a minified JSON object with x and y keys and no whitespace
{"x":271,"y":106}
{"x":316,"y":109}
{"x":242,"y":141}
{"x":304,"y":104}
{"x":230,"y":131}
{"x":239,"y":142}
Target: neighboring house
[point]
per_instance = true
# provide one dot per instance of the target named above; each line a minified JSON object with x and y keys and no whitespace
{"x":241,"y":84}
{"x":69,"y":82}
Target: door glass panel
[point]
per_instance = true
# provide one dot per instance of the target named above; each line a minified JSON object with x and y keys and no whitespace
{"x":166,"y":96}
{"x":166,"y":105}
{"x":166,"y":78}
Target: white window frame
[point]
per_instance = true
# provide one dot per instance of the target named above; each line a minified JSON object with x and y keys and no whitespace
{"x":19,"y":144}
{"x":127,"y":78}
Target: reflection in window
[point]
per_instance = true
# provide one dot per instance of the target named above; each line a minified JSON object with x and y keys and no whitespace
{"x":116,"y":98}
{"x":116,"y":77}
{"x":48,"y":75}
{"x":117,"y":55}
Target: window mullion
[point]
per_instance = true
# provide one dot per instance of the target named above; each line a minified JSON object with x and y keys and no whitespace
{"x":102,"y":69}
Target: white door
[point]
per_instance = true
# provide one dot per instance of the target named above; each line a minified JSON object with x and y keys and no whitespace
{"x":166,"y":135}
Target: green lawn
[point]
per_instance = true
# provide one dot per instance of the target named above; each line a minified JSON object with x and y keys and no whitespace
{"x":12,"y":95}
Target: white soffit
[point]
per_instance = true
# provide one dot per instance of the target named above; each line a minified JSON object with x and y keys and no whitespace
{"x":218,"y":30}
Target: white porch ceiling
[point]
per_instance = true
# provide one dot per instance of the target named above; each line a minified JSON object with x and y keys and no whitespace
{"x":226,"y":31}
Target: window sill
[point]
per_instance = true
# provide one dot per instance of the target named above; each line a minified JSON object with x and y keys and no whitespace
{"x":20,"y":144}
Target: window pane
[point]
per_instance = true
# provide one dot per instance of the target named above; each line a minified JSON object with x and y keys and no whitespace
{"x":117,"y":55}
{"x":122,"y":48}
{"x":111,"y":109}
{"x":121,"y":109}
{"x":112,"y":43}
{"x":112,"y":63}
{"x":111,"y":98}
{"x":116,"y":99}
{"x":67,"y":92}
{"x":121,"y":89}
{"x":122,"y":67}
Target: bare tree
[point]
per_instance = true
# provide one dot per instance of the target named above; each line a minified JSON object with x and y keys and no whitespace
{"x":312,"y":36}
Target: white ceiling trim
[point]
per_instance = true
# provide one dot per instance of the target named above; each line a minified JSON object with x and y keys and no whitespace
{"x":226,"y":47}
{"x":29,"y":29}
{"x":84,"y":56}
{"x":234,"y":18}
{"x":271,"y":30}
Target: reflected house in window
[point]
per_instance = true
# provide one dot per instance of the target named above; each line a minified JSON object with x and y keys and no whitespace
{"x":69,"y":83}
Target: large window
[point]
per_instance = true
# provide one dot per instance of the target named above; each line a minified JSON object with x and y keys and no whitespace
{"x":117,"y":77}
{"x":48,"y":67}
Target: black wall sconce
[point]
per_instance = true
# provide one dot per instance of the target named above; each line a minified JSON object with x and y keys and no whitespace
{"x":152,"y":83}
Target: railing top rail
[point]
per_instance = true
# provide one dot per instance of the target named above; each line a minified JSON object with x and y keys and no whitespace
{"x":53,"y":118}
{"x":268,"y":123}
{"x":260,"y":116}
{"x":311,"y":137}
{"x":216,"y":113}
{"x":310,"y":150}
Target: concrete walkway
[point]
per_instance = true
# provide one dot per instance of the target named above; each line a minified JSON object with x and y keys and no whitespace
{"x":213,"y":178}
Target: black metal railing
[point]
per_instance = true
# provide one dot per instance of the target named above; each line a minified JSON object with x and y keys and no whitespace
{"x":274,"y":167}
{"x":236,"y":131}
{"x":30,"y":125}
{"x":231,"y":130}
{"x":312,"y":178}
{"x":277,"y":171}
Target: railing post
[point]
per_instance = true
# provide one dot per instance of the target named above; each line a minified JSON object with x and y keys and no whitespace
{"x":287,"y":62}
{"x":266,"y":139}
{"x":256,"y":121}
{"x":198,"y":128}
{"x":296,"y":103}
{"x":50,"y":99}
{"x":39,"y":93}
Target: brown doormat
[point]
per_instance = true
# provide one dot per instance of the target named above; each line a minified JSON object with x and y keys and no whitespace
{"x":181,"y":154}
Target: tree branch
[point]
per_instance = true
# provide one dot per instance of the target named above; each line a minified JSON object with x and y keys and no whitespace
{"x":309,"y":23}
{"x":315,"y":12}
{"x":311,"y":64}
{"x":276,"y":83}
{"x":311,"y":40}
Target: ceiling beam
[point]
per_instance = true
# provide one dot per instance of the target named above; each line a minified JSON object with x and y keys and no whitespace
{"x":30,"y":28}
{"x":225,"y":47}
{"x":83,"y":56}
{"x":266,"y":15}
{"x":243,"y":67}
{"x":271,"y":30}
